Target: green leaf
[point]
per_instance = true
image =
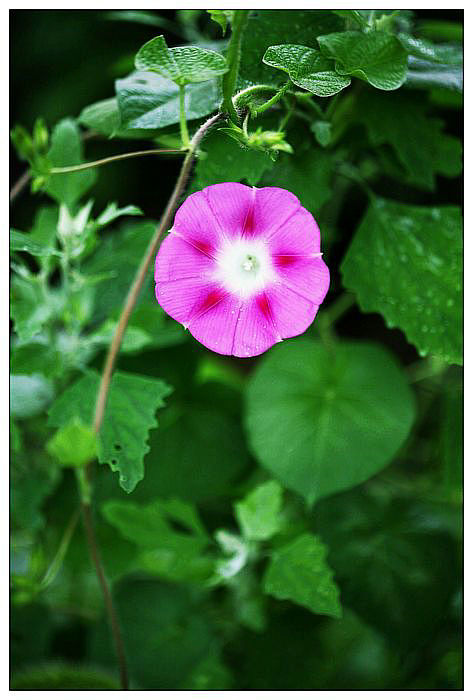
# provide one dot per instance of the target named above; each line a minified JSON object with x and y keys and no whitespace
{"x":26,"y":243}
{"x":169,"y":536}
{"x":307,"y":406}
{"x":352,"y":15}
{"x":307,"y":68}
{"x":29,"y":395}
{"x":23,"y":143}
{"x":275,"y":27}
{"x":308,"y":176}
{"x":185,"y":458}
{"x":405,"y":263}
{"x":36,"y":358}
{"x":66,"y":150}
{"x":104,"y":118}
{"x":299,"y":572}
{"x":182,"y":64}
{"x":119,"y":257}
{"x":29,"y":308}
{"x":450,"y":54}
{"x":396,"y":566}
{"x":113,"y":212}
{"x":34,"y":477}
{"x":129,"y":415}
{"x":227,"y":161}
{"x":166,"y":631}
{"x":134,"y":340}
{"x":419,"y":141}
{"x":259,"y":514}
{"x":322,"y":131}
{"x":222,"y":17}
{"x":149,"y":101}
{"x":377,"y":57}
{"x":73,"y":445}
{"x":427,"y":74}
{"x":62,"y":677}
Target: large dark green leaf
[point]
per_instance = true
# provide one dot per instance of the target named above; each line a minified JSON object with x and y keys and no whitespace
{"x":274,"y":27}
{"x":308,"y":406}
{"x":149,"y":101}
{"x":227,"y":161}
{"x":130,"y":414}
{"x":420,"y":143}
{"x":308,"y":176}
{"x":396,"y":566}
{"x":377,"y":57}
{"x":405,"y":263}
{"x":186,"y":459}
{"x":166,"y":633}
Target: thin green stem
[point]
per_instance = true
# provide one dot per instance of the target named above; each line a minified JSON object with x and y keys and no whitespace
{"x":331,"y":107}
{"x":182,"y":118}
{"x":240,"y":18}
{"x":344,"y":302}
{"x":283,"y":122}
{"x":110,"y":159}
{"x":56,"y":563}
{"x":241,"y":98}
{"x":273,"y":100}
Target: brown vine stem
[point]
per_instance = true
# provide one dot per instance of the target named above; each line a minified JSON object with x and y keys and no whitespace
{"x":19,"y":185}
{"x":107,"y":377}
{"x":141,"y":273}
{"x":112,"y":615}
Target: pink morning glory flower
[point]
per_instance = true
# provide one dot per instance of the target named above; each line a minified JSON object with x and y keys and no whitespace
{"x":242,"y":268}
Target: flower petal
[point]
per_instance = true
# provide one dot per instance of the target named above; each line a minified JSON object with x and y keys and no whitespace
{"x":214,"y":324}
{"x":195,"y":222}
{"x":231,"y":204}
{"x":271,"y":209}
{"x":293,"y":313}
{"x":299,"y":235}
{"x":178,"y":260}
{"x":308,"y":277}
{"x":255,"y":331}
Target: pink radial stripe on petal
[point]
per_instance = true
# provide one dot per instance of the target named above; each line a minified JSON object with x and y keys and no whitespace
{"x":255,"y":331}
{"x":196,"y":223}
{"x":272,"y":208}
{"x":232,"y":204}
{"x":292,"y":313}
{"x":180,"y":260}
{"x":186,"y":299}
{"x":214,"y":326}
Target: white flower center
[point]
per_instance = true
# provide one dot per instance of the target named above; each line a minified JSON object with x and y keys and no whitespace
{"x":244,"y":267}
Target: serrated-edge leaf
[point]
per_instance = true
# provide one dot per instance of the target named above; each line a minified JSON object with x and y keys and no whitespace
{"x":301,"y":561}
{"x":377,"y":57}
{"x":121,"y":445}
{"x":307,"y":68}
